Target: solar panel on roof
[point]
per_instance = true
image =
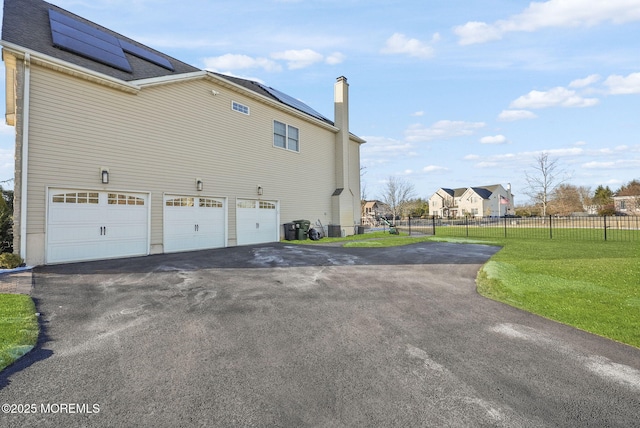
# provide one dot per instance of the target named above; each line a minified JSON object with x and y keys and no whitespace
{"x":91,"y":51}
{"x":145,"y":54}
{"x":82,"y":39}
{"x":110,"y":45}
{"x":292,"y":102}
{"x":93,"y":43}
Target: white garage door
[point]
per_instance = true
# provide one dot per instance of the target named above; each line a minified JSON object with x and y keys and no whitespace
{"x":257,"y":221}
{"x":86,"y":225}
{"x":194,"y":223}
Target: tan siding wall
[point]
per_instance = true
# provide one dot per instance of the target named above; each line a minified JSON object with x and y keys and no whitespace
{"x":354,"y":180}
{"x":164,"y":138}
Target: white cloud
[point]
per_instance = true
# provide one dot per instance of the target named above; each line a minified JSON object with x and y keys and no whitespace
{"x":240,"y":62}
{"x":400,"y":44}
{"x":486,"y":164}
{"x":441,"y":130}
{"x":434,"y":168}
{"x":623,"y":85}
{"x":300,"y":58}
{"x":295,"y":59}
{"x":617,"y":164}
{"x":554,"y":97}
{"x":418,"y":114}
{"x":335,"y":58}
{"x":522,"y":160}
{"x":552,"y":13}
{"x":477,"y":32}
{"x":380,"y":150}
{"x":582,"y":83}
{"x":496,"y":139}
{"x":7,"y":164}
{"x":513,"y":115}
{"x":6,"y":129}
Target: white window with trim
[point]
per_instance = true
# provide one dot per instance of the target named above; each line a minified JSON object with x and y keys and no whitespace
{"x":240,"y":108}
{"x":286,"y":136}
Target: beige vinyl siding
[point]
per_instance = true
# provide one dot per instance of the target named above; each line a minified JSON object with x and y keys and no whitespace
{"x":354,"y":180}
{"x":166,"y":136}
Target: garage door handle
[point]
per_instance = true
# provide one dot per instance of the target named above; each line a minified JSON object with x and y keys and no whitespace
{"x":103,"y":230}
{"x":197,"y":227}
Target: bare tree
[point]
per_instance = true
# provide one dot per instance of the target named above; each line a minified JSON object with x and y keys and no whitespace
{"x":568,"y":199}
{"x":542,"y":182}
{"x":396,"y":194}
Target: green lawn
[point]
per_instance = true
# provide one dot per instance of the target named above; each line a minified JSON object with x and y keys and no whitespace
{"x":18,"y":327}
{"x":591,"y":285}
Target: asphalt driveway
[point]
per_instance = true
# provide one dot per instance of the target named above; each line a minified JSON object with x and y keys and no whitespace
{"x":286,"y":335}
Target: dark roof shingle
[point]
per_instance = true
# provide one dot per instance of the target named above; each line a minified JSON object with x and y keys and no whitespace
{"x":26,"y":23}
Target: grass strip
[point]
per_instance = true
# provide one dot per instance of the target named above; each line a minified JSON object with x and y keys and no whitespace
{"x":18,"y":327}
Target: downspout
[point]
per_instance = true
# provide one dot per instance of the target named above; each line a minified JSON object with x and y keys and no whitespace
{"x":25,"y":155}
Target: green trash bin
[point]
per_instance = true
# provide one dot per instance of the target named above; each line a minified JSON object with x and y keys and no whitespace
{"x":302,"y":229}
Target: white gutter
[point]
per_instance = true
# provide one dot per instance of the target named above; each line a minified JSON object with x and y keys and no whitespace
{"x":25,"y":155}
{"x":69,"y":68}
{"x":162,"y":80}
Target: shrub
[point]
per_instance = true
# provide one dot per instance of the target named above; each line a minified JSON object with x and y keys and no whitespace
{"x":10,"y":261}
{"x":6,"y":221}
{"x":608,"y":210}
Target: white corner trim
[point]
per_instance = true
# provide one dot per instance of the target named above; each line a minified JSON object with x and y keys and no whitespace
{"x":25,"y":155}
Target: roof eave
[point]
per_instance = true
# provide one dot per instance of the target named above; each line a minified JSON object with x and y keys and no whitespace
{"x":65,"y":67}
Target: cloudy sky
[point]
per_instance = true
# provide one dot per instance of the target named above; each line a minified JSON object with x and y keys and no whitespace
{"x":448,"y":93}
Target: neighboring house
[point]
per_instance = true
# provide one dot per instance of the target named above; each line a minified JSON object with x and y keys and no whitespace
{"x":444,"y":202}
{"x":629,"y":205}
{"x":480,"y":201}
{"x":122,"y":150}
{"x":372,"y":211}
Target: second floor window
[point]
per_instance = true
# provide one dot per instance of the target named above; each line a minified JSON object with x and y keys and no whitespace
{"x":286,"y":136}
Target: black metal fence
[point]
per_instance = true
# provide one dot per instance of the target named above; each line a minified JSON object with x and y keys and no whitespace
{"x":613,"y":228}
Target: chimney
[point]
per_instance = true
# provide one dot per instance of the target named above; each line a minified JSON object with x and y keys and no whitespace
{"x":341,"y":120}
{"x":343,"y":196}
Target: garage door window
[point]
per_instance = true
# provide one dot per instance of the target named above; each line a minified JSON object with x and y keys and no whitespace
{"x":120,"y":199}
{"x":267,"y":205}
{"x":75,"y":198}
{"x":180,"y":202}
{"x":246,"y":204}
{"x":210,"y":203}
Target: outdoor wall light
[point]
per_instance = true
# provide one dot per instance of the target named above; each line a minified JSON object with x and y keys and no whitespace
{"x":104,"y":175}
{"x":199,"y":184}
{"x":259,"y":190}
